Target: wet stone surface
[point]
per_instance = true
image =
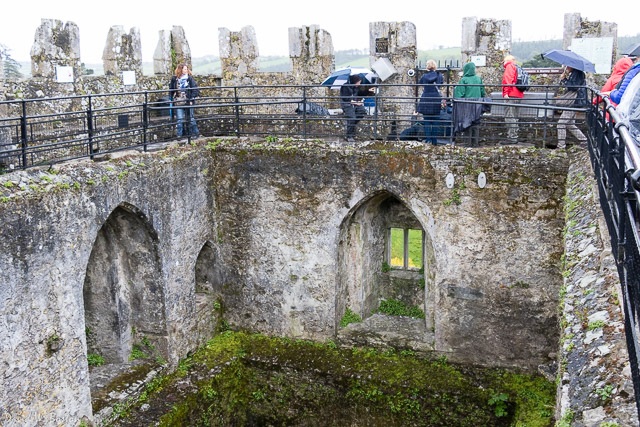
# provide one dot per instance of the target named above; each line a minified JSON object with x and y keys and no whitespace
{"x":594,"y":382}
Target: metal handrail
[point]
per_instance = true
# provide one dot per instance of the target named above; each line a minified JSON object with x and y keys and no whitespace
{"x":101,"y":123}
{"x":615,"y":157}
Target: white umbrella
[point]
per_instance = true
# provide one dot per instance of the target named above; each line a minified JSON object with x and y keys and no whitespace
{"x":341,"y":76}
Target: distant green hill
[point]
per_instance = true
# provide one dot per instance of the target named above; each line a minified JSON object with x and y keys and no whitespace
{"x":210,"y":64}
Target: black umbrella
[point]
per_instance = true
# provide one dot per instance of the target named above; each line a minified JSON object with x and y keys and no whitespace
{"x":570,"y":59}
{"x":633,"y":50}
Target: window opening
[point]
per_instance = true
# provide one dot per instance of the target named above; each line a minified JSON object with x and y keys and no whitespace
{"x":405,"y":248}
{"x":414,"y":248}
{"x":397,"y":247}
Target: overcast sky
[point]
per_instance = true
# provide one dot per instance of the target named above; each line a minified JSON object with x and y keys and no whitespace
{"x":438,"y":23}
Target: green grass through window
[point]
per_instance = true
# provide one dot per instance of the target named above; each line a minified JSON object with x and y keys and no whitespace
{"x":397,"y":248}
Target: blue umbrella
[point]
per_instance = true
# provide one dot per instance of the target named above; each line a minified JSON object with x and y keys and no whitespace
{"x":570,"y":59}
{"x":341,"y":76}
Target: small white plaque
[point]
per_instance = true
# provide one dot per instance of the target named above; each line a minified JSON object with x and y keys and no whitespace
{"x":482,"y":180}
{"x":129,"y":78}
{"x":479,"y":60}
{"x":450,"y":180}
{"x":64,"y":74}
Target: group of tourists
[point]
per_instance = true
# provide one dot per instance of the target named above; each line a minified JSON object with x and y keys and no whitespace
{"x":471,"y":87}
{"x":432,"y":105}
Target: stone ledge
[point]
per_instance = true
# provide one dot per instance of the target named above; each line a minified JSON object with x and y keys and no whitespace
{"x":594,"y":378}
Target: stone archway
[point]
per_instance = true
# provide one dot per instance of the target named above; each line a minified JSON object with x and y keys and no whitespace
{"x":366,"y":276}
{"x":123,"y":291}
{"x":208,"y":292}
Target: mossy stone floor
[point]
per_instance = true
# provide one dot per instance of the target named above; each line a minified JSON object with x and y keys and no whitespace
{"x":244,"y":379}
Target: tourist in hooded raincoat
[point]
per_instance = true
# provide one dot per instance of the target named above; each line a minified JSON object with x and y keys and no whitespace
{"x":467,"y":86}
{"x":467,"y":115}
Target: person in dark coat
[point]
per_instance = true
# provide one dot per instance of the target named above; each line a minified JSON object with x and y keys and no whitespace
{"x":352,"y":105}
{"x":430,"y":102}
{"x":183,"y":90}
{"x":575,"y":82}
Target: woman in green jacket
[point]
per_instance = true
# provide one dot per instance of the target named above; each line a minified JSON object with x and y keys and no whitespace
{"x":469,"y":78}
{"x":466,"y":115}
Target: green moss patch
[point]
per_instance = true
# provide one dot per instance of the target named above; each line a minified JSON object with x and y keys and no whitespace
{"x":242,"y":379}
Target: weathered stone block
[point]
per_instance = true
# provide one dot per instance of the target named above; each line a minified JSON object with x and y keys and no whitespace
{"x":55,"y":44}
{"x":122,"y":52}
{"x":162,"y":63}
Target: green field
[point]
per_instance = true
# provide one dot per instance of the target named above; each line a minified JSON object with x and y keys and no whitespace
{"x":397,"y":248}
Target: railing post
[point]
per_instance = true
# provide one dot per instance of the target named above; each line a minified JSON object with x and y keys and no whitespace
{"x":546,"y":115}
{"x":237,"y":110}
{"x":90,"y":127}
{"x":23,"y":134}
{"x":186,"y":127}
{"x":145,"y":120}
{"x":375,"y":113}
{"x":304,"y":111}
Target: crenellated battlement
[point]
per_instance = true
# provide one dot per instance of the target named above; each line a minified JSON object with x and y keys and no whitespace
{"x":56,"y":50}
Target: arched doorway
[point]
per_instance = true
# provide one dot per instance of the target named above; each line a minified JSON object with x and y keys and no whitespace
{"x":123,"y":291}
{"x":208,"y":292}
{"x":385,"y":258}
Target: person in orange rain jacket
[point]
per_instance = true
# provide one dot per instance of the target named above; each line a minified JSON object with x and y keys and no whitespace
{"x":513,"y":96}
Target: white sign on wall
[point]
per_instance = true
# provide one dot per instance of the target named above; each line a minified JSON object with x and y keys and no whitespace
{"x":129,"y":78}
{"x":479,"y":60}
{"x":597,"y":50}
{"x":64,"y":74}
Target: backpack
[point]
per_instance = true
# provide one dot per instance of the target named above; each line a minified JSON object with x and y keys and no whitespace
{"x":622,"y":79}
{"x":523,"y":81}
{"x":312,"y":109}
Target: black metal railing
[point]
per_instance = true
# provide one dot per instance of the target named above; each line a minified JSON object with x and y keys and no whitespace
{"x":615,"y":158}
{"x":49,"y":130}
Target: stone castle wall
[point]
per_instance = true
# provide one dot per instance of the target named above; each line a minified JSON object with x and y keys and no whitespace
{"x":281,"y":264}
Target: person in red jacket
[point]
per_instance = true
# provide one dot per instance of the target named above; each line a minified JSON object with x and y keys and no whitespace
{"x":513,"y":96}
{"x":621,"y":67}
